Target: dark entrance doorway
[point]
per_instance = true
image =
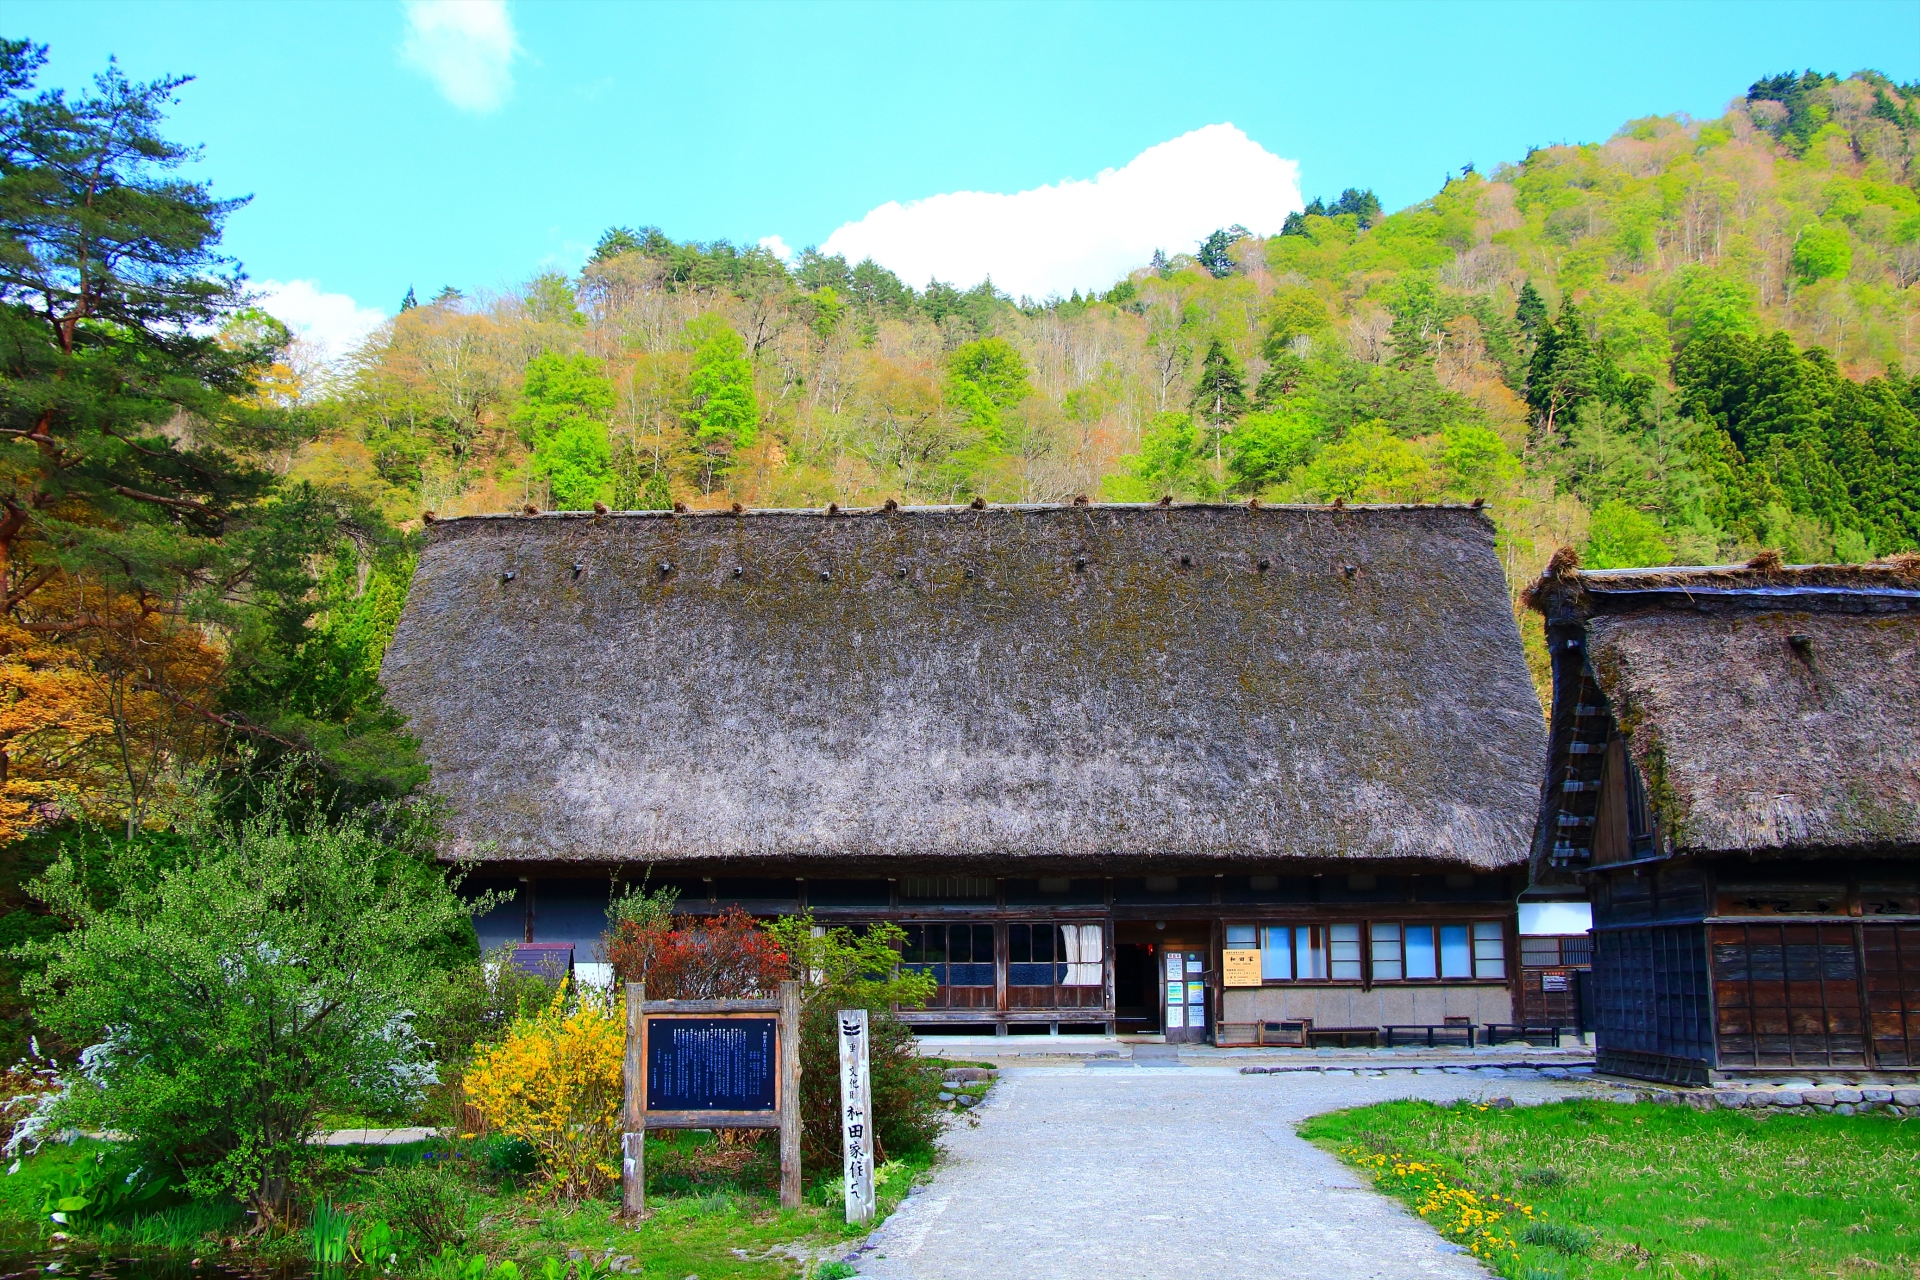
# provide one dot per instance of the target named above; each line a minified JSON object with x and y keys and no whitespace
{"x":1136,"y":988}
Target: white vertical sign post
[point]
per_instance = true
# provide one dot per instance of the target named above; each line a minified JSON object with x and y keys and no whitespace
{"x":856,"y":1114}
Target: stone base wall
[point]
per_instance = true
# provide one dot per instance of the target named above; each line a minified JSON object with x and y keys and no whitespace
{"x":1352,"y":1007}
{"x":1843,"y":1100}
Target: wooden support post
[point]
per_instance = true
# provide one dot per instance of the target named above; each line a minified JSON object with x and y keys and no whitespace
{"x":633,"y":1175}
{"x":633,"y":1138}
{"x":856,"y":1114}
{"x":789,"y":1095}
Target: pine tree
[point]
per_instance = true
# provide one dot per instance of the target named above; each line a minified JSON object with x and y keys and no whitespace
{"x":1561,"y":373}
{"x":1530,"y":313}
{"x":1214,"y":255}
{"x":1220,"y":399}
{"x":409,"y":302}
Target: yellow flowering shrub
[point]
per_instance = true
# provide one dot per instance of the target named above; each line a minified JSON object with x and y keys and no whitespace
{"x":556,"y":1083}
{"x":1481,"y":1222}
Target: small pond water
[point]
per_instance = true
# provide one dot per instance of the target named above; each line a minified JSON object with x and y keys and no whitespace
{"x":50,"y":1262}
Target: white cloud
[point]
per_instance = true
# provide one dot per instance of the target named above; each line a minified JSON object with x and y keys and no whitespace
{"x":1082,"y":234}
{"x":333,"y":322}
{"x":466,"y":47}
{"x":777,"y":247}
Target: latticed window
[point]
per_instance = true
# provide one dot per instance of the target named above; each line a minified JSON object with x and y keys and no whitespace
{"x":954,"y":955}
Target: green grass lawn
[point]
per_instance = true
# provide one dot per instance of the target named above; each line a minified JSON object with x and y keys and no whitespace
{"x":1618,"y":1190}
{"x":712,"y":1213}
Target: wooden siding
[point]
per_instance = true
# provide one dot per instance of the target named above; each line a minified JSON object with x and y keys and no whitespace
{"x":1892,"y":974}
{"x":1788,"y":995}
{"x":1653,"y":1002}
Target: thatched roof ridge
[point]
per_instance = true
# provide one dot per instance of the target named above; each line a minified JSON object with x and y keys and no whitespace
{"x":442,"y":523}
{"x":1772,"y":710}
{"x":1033,"y":685}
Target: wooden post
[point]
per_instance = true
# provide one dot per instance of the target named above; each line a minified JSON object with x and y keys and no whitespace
{"x":789,"y":1095}
{"x":633,"y":1138}
{"x":856,"y":1114}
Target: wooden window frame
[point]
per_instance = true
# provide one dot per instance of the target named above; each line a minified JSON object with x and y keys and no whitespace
{"x":1367,"y":977}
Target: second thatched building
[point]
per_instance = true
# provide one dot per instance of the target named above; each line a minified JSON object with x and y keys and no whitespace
{"x":1735,"y":775}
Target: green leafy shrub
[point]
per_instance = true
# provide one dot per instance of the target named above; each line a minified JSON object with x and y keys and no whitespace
{"x":269,"y":974}
{"x":105,"y":1186}
{"x":425,"y":1204}
{"x":842,"y":969}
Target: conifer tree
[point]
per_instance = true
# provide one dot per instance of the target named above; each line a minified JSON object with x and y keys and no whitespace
{"x":1561,"y":373}
{"x":1530,"y":313}
{"x":1220,"y":399}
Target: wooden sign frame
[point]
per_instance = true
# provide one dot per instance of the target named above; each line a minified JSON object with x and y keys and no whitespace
{"x":637,"y":1119}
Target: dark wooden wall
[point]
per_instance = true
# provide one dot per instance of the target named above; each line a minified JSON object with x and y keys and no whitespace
{"x":1756,"y":967}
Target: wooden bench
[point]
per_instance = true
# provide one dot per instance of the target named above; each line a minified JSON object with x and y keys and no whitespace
{"x":1430,"y":1035}
{"x":1538,"y":1034}
{"x":1343,"y":1037}
{"x":1262,"y":1035}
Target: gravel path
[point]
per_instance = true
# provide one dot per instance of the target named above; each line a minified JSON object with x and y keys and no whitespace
{"x":1168,"y":1171}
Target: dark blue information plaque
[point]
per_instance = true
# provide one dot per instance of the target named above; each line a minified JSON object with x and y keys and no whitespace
{"x":711,"y":1064}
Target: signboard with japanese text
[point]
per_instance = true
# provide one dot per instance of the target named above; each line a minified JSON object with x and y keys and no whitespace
{"x":711,"y":1064}
{"x":856,"y":1114}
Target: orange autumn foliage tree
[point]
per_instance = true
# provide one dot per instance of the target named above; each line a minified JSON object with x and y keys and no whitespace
{"x":50,"y":719}
{"x":105,"y":707}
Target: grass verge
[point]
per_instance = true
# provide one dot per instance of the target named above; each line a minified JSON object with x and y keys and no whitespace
{"x":713,"y":1212}
{"x":1603,"y":1190}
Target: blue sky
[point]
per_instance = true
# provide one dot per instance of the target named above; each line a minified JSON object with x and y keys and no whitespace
{"x":515,"y":134}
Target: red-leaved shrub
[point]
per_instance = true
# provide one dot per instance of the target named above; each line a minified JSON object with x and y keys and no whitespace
{"x":722,"y":957}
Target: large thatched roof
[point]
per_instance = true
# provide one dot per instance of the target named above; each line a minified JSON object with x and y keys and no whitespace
{"x":1771,"y":709}
{"x":1040,"y":684}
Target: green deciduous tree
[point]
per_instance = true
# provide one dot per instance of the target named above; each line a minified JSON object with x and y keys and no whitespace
{"x":269,"y":973}
{"x":1822,"y":253}
{"x":995,"y":368}
{"x":723,"y":412}
{"x":1477,"y":460}
{"x":1370,"y":464}
{"x":1269,"y":444}
{"x":562,"y":417}
{"x":1620,"y":537}
{"x":1172,"y":460}
{"x":1294,"y":311}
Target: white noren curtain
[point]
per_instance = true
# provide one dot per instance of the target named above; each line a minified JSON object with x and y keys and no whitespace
{"x":1086,"y":955}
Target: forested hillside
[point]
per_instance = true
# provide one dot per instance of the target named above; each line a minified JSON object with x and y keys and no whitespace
{"x":1683,"y":344}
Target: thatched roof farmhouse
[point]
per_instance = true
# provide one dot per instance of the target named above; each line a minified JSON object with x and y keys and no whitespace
{"x":760,"y":706}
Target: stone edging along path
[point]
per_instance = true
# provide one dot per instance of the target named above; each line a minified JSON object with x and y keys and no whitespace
{"x":1523,"y":1068}
{"x":1838,"y":1097}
